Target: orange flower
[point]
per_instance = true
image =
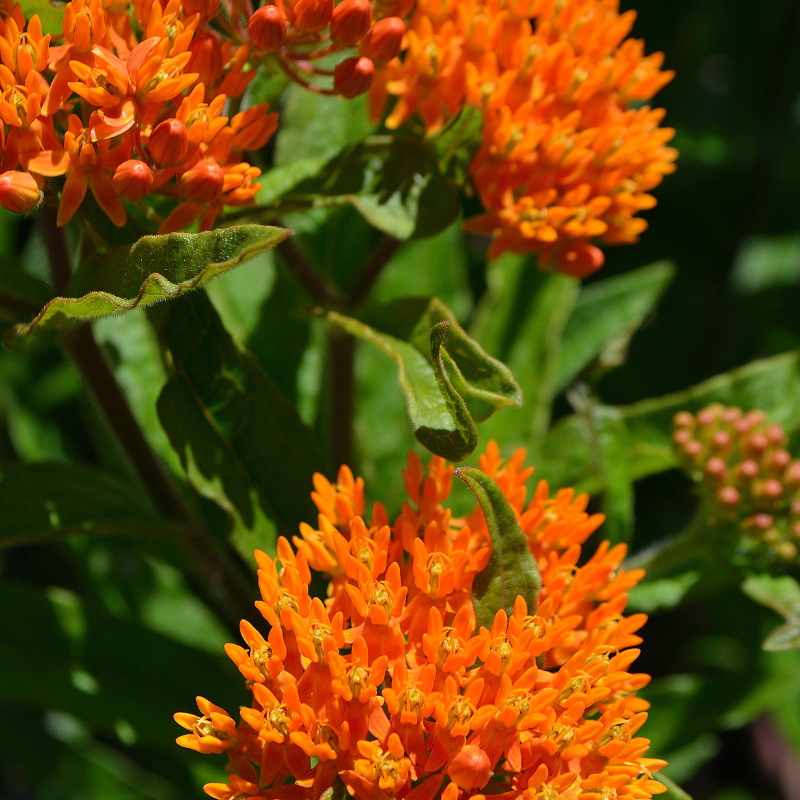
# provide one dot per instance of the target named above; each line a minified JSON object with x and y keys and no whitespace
{"x":565,"y":160}
{"x":410,"y":700}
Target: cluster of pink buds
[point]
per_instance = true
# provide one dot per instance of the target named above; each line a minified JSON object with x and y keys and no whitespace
{"x":740,"y":461}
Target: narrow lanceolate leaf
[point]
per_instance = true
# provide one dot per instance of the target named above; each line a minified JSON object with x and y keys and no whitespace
{"x":782,"y":595}
{"x":447,"y":389}
{"x":605,"y":317}
{"x":239,"y":439}
{"x":512,"y":569}
{"x":154,"y":268}
{"x":43,"y":502}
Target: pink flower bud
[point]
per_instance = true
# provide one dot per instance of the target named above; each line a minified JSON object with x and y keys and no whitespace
{"x":203,"y":182}
{"x":133,"y":180}
{"x":353,"y":76}
{"x":683,"y":419}
{"x":168,"y":143}
{"x":721,"y":440}
{"x":384,"y":40}
{"x":19,"y":192}
{"x":267,"y":28}
{"x":729,"y":496}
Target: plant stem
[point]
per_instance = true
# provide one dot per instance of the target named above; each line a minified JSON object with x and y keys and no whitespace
{"x":302,"y":269}
{"x":382,"y":256}
{"x":342,"y":347}
{"x":224,"y":581}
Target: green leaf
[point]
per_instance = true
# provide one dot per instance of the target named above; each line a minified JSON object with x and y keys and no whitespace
{"x":21,"y":295}
{"x":62,"y":654}
{"x":607,"y":434}
{"x":446,"y":390}
{"x":50,"y":15}
{"x":782,"y":595}
{"x":605,"y":316}
{"x":766,"y":262}
{"x":42,"y":502}
{"x":457,"y":143}
{"x":393,"y":182}
{"x":240,"y":441}
{"x":674,"y":792}
{"x":520,"y":322}
{"x":512,"y":570}
{"x":155,"y":268}
{"x":772,"y":384}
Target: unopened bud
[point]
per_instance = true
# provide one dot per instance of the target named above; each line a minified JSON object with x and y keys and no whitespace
{"x":756,"y":444}
{"x":350,"y":21}
{"x":683,"y":419}
{"x":775,"y":434}
{"x":769,"y":489}
{"x":203,"y":182}
{"x":311,"y":15}
{"x":731,"y":415}
{"x":716,"y":468}
{"x":779,"y":460}
{"x":681,"y":436}
{"x":721,"y":440}
{"x":19,"y":192}
{"x":729,"y":496}
{"x":206,"y":58}
{"x":787,"y":550}
{"x":353,"y":76}
{"x":693,"y":448}
{"x":708,"y":416}
{"x":168,"y":143}
{"x":762,"y":522}
{"x":133,"y":180}
{"x":267,"y":28}
{"x":748,"y":470}
{"x":791,"y":476}
{"x":384,"y":40}
{"x":579,"y":259}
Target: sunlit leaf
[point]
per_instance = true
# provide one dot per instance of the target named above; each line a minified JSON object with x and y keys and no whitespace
{"x":50,"y":14}
{"x":240,"y":441}
{"x":155,"y":268}
{"x":606,"y":314}
{"x":782,"y":595}
{"x":447,"y":388}
{"x":512,"y":570}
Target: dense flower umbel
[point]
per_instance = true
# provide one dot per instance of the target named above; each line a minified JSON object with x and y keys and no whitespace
{"x":741,"y":463}
{"x":132,"y":98}
{"x":568,"y":153}
{"x":390,"y":685}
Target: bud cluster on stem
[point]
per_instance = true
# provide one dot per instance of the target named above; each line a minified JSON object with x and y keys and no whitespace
{"x":740,"y":462}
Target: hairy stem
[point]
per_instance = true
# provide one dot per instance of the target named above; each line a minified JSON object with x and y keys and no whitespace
{"x":225,"y":583}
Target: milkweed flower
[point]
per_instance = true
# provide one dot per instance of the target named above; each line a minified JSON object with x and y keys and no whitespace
{"x":569,"y":152}
{"x":391,"y":685}
{"x":740,"y":464}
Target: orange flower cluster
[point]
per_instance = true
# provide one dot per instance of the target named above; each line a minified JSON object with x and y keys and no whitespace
{"x":568,"y":154}
{"x":133,"y":98}
{"x":392,"y":688}
{"x":741,"y":462}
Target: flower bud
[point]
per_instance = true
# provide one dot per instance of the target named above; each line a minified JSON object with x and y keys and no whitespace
{"x":350,"y":21}
{"x":721,"y":440}
{"x":384,"y":40}
{"x":729,"y":496}
{"x":779,"y":460}
{"x":748,"y":470}
{"x":693,"y":448}
{"x":791,"y":476}
{"x":203,"y":182}
{"x":681,"y":436}
{"x":716,"y":468}
{"x":470,"y":768}
{"x":775,"y":434}
{"x":133,"y":180}
{"x":353,"y":76}
{"x":708,"y":416}
{"x":267,"y":28}
{"x":756,"y":444}
{"x":731,"y":415}
{"x":768,"y":490}
{"x":19,"y":192}
{"x":311,"y":15}
{"x":168,"y":143}
{"x":206,"y":59}
{"x":683,"y":419}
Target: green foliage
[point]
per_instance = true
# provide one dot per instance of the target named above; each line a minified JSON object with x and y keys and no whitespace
{"x":782,"y":595}
{"x":42,"y":502}
{"x":446,"y":390}
{"x":240,"y":441}
{"x":153,"y":269}
{"x":50,"y":14}
{"x":511,"y":571}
